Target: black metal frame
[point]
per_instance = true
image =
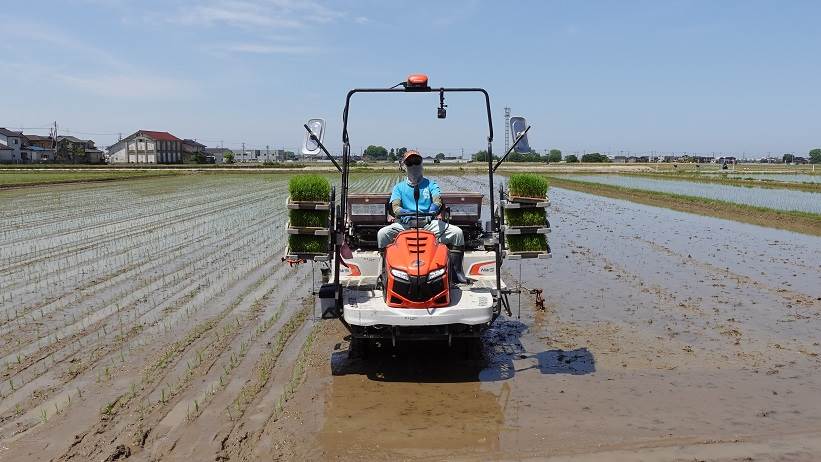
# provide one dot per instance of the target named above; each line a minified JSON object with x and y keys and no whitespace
{"x":339,"y":231}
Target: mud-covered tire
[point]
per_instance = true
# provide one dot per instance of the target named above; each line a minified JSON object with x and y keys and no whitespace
{"x":358,"y":348}
{"x":472,"y":348}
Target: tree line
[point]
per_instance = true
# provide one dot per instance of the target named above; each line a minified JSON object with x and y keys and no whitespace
{"x":554,"y":155}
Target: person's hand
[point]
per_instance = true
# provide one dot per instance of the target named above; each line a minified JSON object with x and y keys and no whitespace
{"x":403,"y":211}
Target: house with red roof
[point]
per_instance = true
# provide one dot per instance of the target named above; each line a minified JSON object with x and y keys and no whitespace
{"x":147,"y":147}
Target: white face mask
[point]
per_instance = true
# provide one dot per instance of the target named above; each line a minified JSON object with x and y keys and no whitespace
{"x":414,"y":174}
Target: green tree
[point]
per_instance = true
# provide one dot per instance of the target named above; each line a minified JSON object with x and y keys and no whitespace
{"x":228,"y":157}
{"x":392,"y":155}
{"x":376,"y":152}
{"x":787,"y":158}
{"x":554,"y":155}
{"x":481,"y":156}
{"x":595,"y":157}
{"x":440,"y":156}
{"x":815,"y":156}
{"x":401,"y":152}
{"x":571,"y":159}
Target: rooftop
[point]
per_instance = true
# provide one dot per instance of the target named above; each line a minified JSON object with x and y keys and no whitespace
{"x":38,"y":138}
{"x":159,"y":136}
{"x":193,"y":142}
{"x":7,"y":132}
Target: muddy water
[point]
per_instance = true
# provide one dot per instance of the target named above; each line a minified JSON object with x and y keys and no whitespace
{"x":666,"y":336}
{"x":781,"y":199}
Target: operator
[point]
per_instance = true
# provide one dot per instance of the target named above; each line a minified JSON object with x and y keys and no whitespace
{"x":430,"y":201}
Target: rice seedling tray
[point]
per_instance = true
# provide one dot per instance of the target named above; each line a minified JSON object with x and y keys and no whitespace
{"x":307,"y":247}
{"x":307,"y":205}
{"x":535,"y":203}
{"x":509,"y":229}
{"x":308,"y":230}
{"x":525,"y":255}
{"x":315,"y":256}
{"x":526,"y":244}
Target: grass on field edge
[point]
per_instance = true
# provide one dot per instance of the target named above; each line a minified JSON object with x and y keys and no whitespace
{"x":801,"y":222}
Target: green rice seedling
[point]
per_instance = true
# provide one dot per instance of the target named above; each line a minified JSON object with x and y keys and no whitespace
{"x":526,"y":242}
{"x":526,"y":217}
{"x":308,"y":218}
{"x":307,"y":244}
{"x":309,"y":188}
{"x":528,"y":185}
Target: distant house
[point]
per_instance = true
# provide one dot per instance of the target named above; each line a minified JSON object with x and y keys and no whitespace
{"x":5,"y":153}
{"x":147,"y":147}
{"x":216,"y":155}
{"x":13,"y":143}
{"x":620,"y":159}
{"x":191,"y":149}
{"x":72,"y":150}
{"x":40,"y":141}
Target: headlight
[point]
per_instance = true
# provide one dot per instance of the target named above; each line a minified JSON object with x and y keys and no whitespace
{"x":399,"y":274}
{"x":436,"y":274}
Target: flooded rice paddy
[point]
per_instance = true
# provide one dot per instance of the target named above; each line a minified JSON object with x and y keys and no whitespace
{"x":780,"y":199}
{"x":154,"y":319}
{"x":785,"y":177}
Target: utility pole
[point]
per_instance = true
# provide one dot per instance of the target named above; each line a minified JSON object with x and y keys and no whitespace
{"x":267,"y":153}
{"x":507,"y":129}
{"x":243,"y":150}
{"x":54,"y":142}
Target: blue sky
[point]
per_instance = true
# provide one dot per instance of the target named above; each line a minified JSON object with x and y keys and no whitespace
{"x":610,"y":76}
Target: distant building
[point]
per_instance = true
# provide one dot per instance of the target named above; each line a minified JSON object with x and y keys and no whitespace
{"x":191,"y":149}
{"x":72,"y":150}
{"x":12,"y":143}
{"x":216,"y":155}
{"x":147,"y":147}
{"x":620,"y":159}
{"x":5,"y":153}
{"x":40,"y":141}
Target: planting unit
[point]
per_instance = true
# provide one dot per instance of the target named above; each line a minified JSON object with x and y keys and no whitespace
{"x":525,"y":224}
{"x":309,"y":218}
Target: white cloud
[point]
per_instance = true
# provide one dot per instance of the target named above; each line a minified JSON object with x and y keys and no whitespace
{"x":255,"y":14}
{"x":265,"y":48}
{"x":234,"y":13}
{"x":131,"y":86}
